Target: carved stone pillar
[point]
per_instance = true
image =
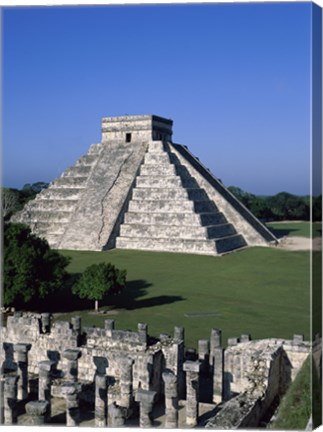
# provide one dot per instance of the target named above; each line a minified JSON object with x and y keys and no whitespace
{"x":101,"y":401}
{"x":215,"y":342}
{"x":76,"y":324}
{"x":143,"y":332}
{"x":192,"y":369}
{"x":10,"y":391}
{"x":125,"y":364}
{"x":146,"y":400}
{"x":117,"y":415}
{"x":70,"y":391}
{"x":171,"y":400}
{"x":72,"y":356}
{"x":204,"y":354}
{"x":45,"y":320}
{"x":37,"y":411}
{"x":45,"y":383}
{"x":21,"y":356}
{"x":218,"y":372}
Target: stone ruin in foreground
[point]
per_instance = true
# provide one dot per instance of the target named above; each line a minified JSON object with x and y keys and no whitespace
{"x":61,"y":373}
{"x":138,"y":190}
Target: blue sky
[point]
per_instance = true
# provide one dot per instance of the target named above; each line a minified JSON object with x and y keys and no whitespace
{"x":235,"y":79}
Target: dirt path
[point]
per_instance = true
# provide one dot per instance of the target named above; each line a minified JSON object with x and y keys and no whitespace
{"x":300,"y":243}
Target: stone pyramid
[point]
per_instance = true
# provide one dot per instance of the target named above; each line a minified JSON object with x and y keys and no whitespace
{"x":138,"y":190}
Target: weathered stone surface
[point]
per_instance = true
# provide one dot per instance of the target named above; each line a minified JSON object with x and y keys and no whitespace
{"x":146,"y":400}
{"x":10,"y":392}
{"x":192,"y":370}
{"x":171,"y":400}
{"x":37,"y":411}
{"x":21,"y":356}
{"x":101,"y":401}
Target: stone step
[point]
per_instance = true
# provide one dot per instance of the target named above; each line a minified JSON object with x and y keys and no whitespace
{"x":77,"y":171}
{"x":164,"y":182}
{"x":159,"y":170}
{"x":156,"y":158}
{"x":87,"y":160}
{"x":95,"y":149}
{"x":156,"y":146}
{"x":174,"y":218}
{"x":45,"y":216}
{"x":175,"y":206}
{"x":54,"y":204}
{"x":170,"y":245}
{"x":70,"y":182}
{"x":169,"y":194}
{"x":176,"y":231}
{"x":59,"y":194}
{"x":230,"y":243}
{"x":56,"y":228}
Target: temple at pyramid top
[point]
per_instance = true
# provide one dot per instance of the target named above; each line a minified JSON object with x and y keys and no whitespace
{"x":144,"y":127}
{"x":136,"y":189}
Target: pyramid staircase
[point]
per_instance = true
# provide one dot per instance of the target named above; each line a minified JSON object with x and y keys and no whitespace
{"x":49,"y":214}
{"x":168,"y":211}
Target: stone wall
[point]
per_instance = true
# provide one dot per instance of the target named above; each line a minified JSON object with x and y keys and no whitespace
{"x":245,"y":379}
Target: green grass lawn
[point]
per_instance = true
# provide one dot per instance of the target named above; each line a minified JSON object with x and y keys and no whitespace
{"x":295,"y":229}
{"x":261,"y":291}
{"x":296,"y":406}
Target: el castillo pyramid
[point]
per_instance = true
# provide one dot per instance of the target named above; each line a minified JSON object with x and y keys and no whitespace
{"x":138,"y":190}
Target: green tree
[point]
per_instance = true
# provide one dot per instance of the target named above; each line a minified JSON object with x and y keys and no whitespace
{"x":31,"y":270}
{"x":10,"y":202}
{"x":98,"y":280}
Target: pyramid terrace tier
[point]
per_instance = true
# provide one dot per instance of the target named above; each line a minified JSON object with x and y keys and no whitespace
{"x":170,"y":218}
{"x":204,"y":247}
{"x":177,"y":231}
{"x":173,"y":193}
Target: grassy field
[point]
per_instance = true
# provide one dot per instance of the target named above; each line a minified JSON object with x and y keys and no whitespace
{"x":295,"y":229}
{"x":296,"y":406}
{"x":262,"y":291}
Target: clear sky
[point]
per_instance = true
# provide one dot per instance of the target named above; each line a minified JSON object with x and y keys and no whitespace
{"x":235,"y":79}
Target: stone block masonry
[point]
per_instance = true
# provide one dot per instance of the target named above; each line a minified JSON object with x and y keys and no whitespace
{"x":138,"y":190}
{"x":129,"y":373}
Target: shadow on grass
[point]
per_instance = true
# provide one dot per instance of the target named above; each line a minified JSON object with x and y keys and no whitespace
{"x":281,"y":232}
{"x":130,"y":298}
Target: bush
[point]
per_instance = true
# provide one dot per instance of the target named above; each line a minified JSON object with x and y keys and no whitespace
{"x":31,"y":269}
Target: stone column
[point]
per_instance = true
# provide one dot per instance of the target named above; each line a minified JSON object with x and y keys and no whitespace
{"x":146,"y":400}
{"x":125,"y":364}
{"x":37,"y":411}
{"x":21,"y":355}
{"x":204,"y":355}
{"x":171,"y":400}
{"x":101,"y":401}
{"x":71,"y":392}
{"x":215,"y":342}
{"x":192,"y":369}
{"x":45,"y":320}
{"x":76,"y":324}
{"x":179,"y":333}
{"x":179,"y":336}
{"x":143,"y":332}
{"x":116,"y":415}
{"x":10,"y":391}
{"x":45,"y":383}
{"x":218,"y":371}
{"x":109,"y":326}
{"x":72,"y":356}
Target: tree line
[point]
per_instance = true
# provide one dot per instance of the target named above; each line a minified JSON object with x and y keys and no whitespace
{"x":282,"y":206}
